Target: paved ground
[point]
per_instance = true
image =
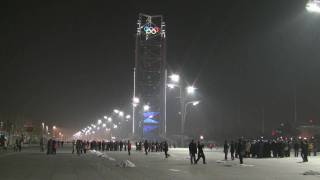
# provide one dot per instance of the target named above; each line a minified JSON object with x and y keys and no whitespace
{"x":32,"y":165}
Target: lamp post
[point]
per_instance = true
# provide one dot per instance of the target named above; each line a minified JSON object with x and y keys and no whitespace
{"x":135,"y":102}
{"x":53,"y":131}
{"x":313,"y":6}
{"x":183,"y":117}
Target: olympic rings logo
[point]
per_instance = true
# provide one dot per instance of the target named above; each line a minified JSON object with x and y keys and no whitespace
{"x":150,"y":29}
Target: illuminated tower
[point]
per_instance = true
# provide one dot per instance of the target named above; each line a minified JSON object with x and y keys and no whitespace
{"x":150,"y":64}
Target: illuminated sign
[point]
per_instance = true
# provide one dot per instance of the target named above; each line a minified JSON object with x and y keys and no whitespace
{"x":151,"y":29}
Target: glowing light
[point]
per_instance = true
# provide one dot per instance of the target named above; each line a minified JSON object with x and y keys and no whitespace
{"x":99,"y":121}
{"x":171,"y":86}
{"x":128,"y":116}
{"x":136,"y":100}
{"x":109,"y":119}
{"x":313,"y":6}
{"x":151,"y":29}
{"x":195,"y":103}
{"x":201,"y":137}
{"x":116,"y":111}
{"x":146,"y":107}
{"x":115,"y":126}
{"x":120,"y":113}
{"x":190,"y":89}
{"x":105,"y":117}
{"x":104,"y":125}
{"x":174,"y":78}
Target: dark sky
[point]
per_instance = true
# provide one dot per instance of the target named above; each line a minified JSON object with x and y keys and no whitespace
{"x":69,"y":62}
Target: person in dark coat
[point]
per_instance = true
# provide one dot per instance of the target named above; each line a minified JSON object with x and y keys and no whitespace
{"x":129,"y":148}
{"x":225,"y":149}
{"x":49,"y":145}
{"x":304,"y":151}
{"x":146,"y":146}
{"x":54,"y":147}
{"x":296,"y":149}
{"x":240,"y":150}
{"x":165,"y":149}
{"x":192,"y":151}
{"x":232,"y":149}
{"x":200,"y":153}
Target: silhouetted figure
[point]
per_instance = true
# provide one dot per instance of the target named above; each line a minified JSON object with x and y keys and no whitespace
{"x":240,"y":150}
{"x":192,"y":151}
{"x":129,"y":148}
{"x":165,"y":148}
{"x":200,"y":153}
{"x":225,"y":149}
{"x":146,"y":146}
{"x":232,"y":149}
{"x":304,"y":151}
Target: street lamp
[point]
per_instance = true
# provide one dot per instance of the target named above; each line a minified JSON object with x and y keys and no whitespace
{"x":53,"y":131}
{"x":105,"y":117}
{"x":191,"y":89}
{"x":174,"y":78}
{"x":313,"y":6}
{"x":195,"y":103}
{"x":146,"y":107}
{"x":171,"y":86}
{"x":135,"y":102}
{"x":116,"y":111}
{"x":183,"y":119}
{"x":99,"y":121}
{"x":109,"y":119}
{"x":128,"y":116}
{"x":120,"y":113}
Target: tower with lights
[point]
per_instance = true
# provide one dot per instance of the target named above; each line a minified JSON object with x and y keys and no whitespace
{"x":149,"y":86}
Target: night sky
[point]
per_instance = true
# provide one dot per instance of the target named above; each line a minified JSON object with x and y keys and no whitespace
{"x":69,"y":62}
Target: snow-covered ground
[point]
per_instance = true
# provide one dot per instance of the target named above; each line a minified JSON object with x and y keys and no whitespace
{"x":118,"y":165}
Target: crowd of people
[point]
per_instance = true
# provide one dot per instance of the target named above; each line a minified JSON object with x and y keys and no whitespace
{"x":275,"y":148}
{"x":242,"y":148}
{"x":17,"y":145}
{"x":81,"y":146}
{"x":53,"y":145}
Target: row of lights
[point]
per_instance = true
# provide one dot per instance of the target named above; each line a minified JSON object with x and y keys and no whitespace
{"x":91,"y":129}
{"x":45,"y":128}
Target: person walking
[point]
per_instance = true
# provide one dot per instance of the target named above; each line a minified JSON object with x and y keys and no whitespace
{"x":240,"y":150}
{"x":146,"y":146}
{"x":232,"y":148}
{"x":129,"y":148}
{"x":225,"y":149}
{"x":41,"y":145}
{"x":49,"y":145}
{"x":200,"y":153}
{"x":296,"y":149}
{"x":192,"y":151}
{"x":166,"y":149}
{"x":304,"y":151}
{"x":73,"y":146}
